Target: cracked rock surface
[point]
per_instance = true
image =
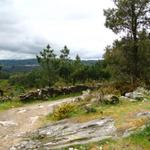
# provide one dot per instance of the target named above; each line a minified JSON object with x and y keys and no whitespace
{"x":65,"y":133}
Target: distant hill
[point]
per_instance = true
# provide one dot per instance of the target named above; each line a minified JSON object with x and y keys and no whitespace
{"x":18,"y":65}
{"x":27,"y":64}
{"x":89,"y":62}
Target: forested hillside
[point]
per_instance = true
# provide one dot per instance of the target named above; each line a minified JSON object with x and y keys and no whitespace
{"x":27,"y":64}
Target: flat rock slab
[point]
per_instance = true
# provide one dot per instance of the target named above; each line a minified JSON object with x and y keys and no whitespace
{"x":65,"y":133}
{"x":22,"y":111}
{"x":143,"y":114}
{"x":7,"y":123}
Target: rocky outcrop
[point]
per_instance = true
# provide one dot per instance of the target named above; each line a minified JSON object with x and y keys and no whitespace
{"x":143,"y":114}
{"x":105,"y":99}
{"x":50,"y":92}
{"x":139,"y":94}
{"x":134,"y":95}
{"x":64,"y":133}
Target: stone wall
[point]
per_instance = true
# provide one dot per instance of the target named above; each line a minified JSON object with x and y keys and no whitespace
{"x":51,"y":92}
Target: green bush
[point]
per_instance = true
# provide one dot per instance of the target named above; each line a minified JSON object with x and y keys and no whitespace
{"x":63,"y":111}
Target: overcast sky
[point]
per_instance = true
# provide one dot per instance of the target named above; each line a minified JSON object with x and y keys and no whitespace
{"x":27,"y":26}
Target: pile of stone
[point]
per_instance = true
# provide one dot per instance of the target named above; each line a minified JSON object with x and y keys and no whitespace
{"x":51,"y":92}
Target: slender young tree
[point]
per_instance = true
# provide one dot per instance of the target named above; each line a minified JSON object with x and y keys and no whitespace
{"x":65,"y":64}
{"x":77,"y":59}
{"x":64,"y":53}
{"x":46,"y":60}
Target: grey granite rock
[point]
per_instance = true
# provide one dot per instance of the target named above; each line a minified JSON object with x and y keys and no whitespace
{"x":65,"y":133}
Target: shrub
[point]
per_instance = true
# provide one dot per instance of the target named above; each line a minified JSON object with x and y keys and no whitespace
{"x":125,"y":87}
{"x":63,"y":111}
{"x":109,"y":90}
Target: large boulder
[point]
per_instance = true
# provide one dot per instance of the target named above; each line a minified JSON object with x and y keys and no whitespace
{"x":139,"y":94}
{"x":143,"y":114}
{"x":110,"y":99}
{"x":135,"y":95}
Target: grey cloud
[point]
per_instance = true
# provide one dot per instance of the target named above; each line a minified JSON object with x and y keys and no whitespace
{"x":28,"y":46}
{"x":13,"y":36}
{"x":24,"y":33}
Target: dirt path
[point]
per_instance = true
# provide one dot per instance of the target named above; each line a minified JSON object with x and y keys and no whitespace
{"x":15,"y":122}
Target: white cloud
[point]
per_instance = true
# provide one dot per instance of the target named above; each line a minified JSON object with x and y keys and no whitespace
{"x":26,"y":26}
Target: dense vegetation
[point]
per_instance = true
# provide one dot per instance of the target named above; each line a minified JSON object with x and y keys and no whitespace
{"x":126,"y":61}
{"x":128,"y":58}
{"x":57,"y":70}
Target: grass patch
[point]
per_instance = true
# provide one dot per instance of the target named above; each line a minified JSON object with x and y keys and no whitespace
{"x":124,"y":113}
{"x":10,"y":104}
{"x":141,"y":138}
{"x":138,"y":141}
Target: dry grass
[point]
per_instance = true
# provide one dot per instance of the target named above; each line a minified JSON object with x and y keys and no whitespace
{"x":123,"y":113}
{"x":125,"y":116}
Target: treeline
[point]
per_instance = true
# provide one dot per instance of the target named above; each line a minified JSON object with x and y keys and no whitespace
{"x":60,"y":70}
{"x":126,"y":61}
